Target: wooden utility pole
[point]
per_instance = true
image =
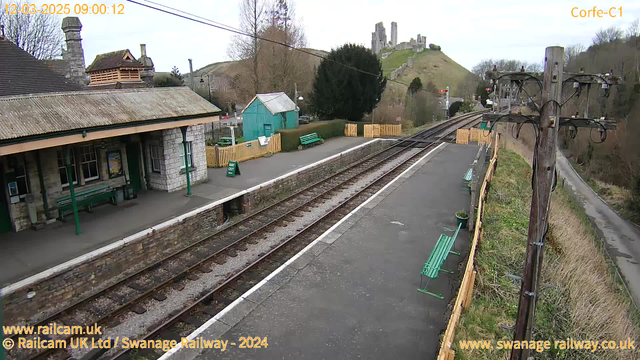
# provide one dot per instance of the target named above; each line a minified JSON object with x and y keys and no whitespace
{"x":544,"y":172}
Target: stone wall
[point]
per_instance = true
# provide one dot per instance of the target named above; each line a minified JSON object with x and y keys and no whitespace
{"x":52,"y":182}
{"x":258,"y":198}
{"x":95,"y":273}
{"x":172,"y":146}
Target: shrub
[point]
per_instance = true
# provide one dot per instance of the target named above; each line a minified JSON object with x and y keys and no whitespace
{"x":325,"y":129}
{"x":435,"y":47}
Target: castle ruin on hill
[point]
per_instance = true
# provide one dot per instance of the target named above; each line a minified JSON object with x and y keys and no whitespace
{"x":379,"y":40}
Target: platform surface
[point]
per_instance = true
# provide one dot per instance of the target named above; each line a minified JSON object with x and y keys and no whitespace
{"x":354,"y":293}
{"x":29,"y":252}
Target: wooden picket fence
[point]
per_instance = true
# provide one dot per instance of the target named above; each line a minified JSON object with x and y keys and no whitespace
{"x":220,"y":156}
{"x":465,"y":293}
{"x":462,"y":136}
{"x":378,"y":130}
{"x":351,"y":130}
{"x":480,"y":136}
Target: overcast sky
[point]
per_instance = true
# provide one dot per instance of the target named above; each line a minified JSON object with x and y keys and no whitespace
{"x":468,"y":31}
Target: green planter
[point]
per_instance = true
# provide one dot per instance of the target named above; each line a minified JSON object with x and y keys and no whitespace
{"x":462,"y":220}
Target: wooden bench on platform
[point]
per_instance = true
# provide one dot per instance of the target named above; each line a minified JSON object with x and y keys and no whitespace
{"x":310,"y":139}
{"x":438,"y":256}
{"x":468,"y":176}
{"x":85,"y":199}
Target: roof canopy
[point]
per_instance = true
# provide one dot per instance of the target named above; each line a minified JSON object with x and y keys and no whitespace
{"x":114,"y":60}
{"x":37,"y":114}
{"x":21,"y":73}
{"x":274,"y":102}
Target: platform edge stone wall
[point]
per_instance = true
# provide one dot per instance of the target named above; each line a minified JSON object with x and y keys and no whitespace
{"x":63,"y":289}
{"x":264,"y":195}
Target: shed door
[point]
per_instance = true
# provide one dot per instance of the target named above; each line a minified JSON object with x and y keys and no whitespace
{"x":268,"y":130}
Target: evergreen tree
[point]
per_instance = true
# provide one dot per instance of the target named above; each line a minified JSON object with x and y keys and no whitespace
{"x":416,"y":84}
{"x":343,"y":92}
{"x":175,"y":73}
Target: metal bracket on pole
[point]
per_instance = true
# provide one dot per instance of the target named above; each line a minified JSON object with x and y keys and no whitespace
{"x":506,"y":327}
{"x":514,"y":277}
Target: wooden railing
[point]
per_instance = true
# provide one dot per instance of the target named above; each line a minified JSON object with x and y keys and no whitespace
{"x":220,"y":156}
{"x":465,"y":293}
{"x":377,"y":130}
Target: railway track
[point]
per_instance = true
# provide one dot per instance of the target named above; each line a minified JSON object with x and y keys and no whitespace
{"x":171,"y":272}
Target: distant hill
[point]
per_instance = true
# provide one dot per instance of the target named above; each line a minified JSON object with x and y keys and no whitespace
{"x":231,"y":68}
{"x":428,"y":65}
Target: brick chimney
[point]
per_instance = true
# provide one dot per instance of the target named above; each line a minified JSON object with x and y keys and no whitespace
{"x":149,"y":70}
{"x":74,"y":55}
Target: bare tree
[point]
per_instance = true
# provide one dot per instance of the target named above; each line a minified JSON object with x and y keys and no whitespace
{"x":284,"y":66}
{"x":571,"y":52}
{"x":482,"y":67}
{"x":38,"y":34}
{"x":634,"y":29}
{"x":608,"y":35}
{"x":246,"y":49}
{"x":467,"y":87}
{"x":533,"y":67}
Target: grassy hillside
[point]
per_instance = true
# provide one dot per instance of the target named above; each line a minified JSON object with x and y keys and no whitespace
{"x":428,"y":65}
{"x":231,"y":68}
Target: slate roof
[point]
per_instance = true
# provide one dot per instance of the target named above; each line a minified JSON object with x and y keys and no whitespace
{"x":37,"y":114}
{"x":274,"y":102}
{"x":21,"y":73}
{"x":113,"y":60}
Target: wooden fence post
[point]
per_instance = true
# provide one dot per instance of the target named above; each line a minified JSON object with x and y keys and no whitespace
{"x":469,"y":295}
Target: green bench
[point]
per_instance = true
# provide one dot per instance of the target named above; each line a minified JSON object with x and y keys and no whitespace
{"x":468,"y":176}
{"x":438,"y":256}
{"x":225,"y":141}
{"x":85,"y":199}
{"x":310,"y":139}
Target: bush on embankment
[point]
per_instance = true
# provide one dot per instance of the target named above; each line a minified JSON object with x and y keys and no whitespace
{"x":325,"y":129}
{"x":579,"y":299}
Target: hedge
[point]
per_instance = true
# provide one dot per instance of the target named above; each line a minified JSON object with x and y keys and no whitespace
{"x":290,"y":138}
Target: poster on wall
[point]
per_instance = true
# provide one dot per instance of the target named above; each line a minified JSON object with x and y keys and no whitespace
{"x":114,"y":163}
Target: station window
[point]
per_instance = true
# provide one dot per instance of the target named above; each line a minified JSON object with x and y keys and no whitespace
{"x":20,"y":170}
{"x":64,"y":179}
{"x":89,"y":163}
{"x":156,"y":158}
{"x":189,"y":155}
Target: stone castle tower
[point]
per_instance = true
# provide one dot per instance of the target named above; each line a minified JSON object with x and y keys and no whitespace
{"x":74,"y":54}
{"x":394,"y":34}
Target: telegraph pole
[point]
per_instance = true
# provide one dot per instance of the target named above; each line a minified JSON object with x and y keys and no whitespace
{"x":544,"y":171}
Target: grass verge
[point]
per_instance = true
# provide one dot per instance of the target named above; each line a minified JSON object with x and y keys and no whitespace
{"x":581,"y":298}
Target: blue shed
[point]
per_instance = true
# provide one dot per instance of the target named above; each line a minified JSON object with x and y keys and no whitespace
{"x":267,"y":113}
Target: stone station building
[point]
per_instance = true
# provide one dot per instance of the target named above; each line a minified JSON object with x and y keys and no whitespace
{"x":130,"y":137}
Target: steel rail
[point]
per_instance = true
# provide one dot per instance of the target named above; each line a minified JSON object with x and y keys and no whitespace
{"x":208,"y":296}
{"x":189,"y":268}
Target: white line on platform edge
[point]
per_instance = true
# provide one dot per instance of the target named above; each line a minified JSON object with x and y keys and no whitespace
{"x":176,"y":220}
{"x":257,"y":286}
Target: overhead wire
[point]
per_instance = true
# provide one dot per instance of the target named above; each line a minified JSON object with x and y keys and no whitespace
{"x":204,"y":21}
